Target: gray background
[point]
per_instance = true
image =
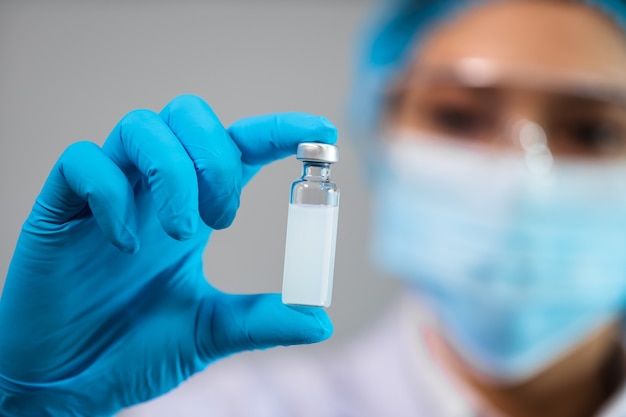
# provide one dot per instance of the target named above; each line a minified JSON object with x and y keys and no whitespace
{"x":70,"y":70}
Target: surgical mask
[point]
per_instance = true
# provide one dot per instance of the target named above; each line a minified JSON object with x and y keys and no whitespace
{"x":518,"y":268}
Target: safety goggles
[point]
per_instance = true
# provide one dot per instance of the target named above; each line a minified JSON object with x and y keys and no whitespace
{"x":542,"y":112}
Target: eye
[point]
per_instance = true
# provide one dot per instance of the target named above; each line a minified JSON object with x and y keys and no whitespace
{"x":596,"y":136}
{"x":458,"y":120}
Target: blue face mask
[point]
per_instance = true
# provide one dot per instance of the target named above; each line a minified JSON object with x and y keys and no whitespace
{"x":517,"y":268}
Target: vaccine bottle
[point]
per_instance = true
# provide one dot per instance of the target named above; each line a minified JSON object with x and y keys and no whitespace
{"x":312,"y":229}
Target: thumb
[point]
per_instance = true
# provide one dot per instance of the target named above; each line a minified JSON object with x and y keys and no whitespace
{"x":267,"y":138}
{"x":234,"y":323}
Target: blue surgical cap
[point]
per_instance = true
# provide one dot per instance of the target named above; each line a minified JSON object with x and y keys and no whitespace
{"x":388,"y":38}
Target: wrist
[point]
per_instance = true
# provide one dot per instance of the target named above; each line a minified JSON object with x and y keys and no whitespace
{"x":50,"y":399}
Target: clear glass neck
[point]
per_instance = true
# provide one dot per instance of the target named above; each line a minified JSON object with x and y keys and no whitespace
{"x":316,"y":171}
{"x":315,"y":186}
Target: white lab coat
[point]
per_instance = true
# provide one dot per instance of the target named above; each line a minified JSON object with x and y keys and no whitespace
{"x":388,"y":371}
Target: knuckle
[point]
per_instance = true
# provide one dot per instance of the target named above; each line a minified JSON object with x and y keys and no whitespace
{"x":78,"y":152}
{"x":187,"y":110}
{"x":137,"y":119}
{"x":187,"y":102}
{"x":77,"y":147}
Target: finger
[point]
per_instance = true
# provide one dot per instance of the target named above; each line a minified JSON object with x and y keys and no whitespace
{"x":84,"y":176}
{"x":216,"y":158}
{"x":143,"y":146}
{"x":264,"y":139}
{"x":245,"y":322}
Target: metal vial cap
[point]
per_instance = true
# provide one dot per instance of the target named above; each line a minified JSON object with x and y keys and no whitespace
{"x":317,"y":152}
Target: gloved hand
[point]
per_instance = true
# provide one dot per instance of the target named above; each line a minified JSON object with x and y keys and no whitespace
{"x":105,"y":304}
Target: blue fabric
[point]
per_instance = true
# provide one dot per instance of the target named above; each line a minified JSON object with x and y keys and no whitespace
{"x":105,"y":303}
{"x":388,"y":39}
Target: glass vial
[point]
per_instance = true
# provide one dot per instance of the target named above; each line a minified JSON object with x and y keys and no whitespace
{"x":312,"y":229}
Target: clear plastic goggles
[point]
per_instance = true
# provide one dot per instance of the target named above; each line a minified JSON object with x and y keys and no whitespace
{"x":544,"y":113}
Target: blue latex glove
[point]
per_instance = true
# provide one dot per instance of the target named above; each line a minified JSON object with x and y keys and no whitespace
{"x":105,"y":303}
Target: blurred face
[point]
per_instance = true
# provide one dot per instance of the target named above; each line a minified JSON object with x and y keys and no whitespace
{"x":518,"y":271}
{"x":558,"y":64}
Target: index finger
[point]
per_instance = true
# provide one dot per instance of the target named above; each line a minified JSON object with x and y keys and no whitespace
{"x":267,"y":138}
